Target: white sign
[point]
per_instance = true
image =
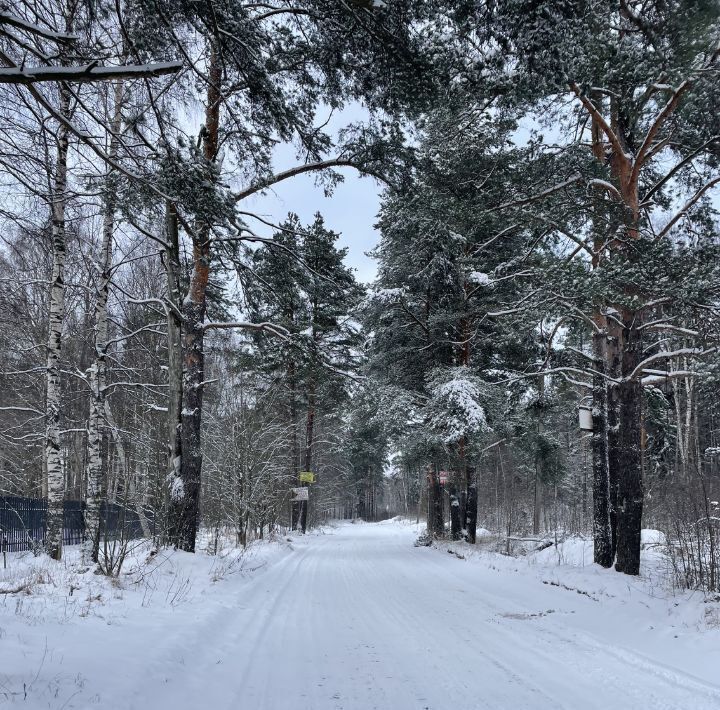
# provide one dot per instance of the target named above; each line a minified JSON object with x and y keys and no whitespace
{"x":301,"y":493}
{"x":585,"y":418}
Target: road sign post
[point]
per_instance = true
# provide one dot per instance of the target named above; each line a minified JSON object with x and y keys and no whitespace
{"x":301,"y":493}
{"x":301,"y":496}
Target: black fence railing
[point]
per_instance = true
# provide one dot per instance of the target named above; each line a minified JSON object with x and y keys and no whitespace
{"x":22,"y":522}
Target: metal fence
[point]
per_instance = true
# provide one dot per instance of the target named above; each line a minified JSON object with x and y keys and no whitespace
{"x":22,"y":522}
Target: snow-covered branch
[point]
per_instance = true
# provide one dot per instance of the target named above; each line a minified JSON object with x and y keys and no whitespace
{"x":682,"y":352}
{"x":7,"y":18}
{"x":688,"y":206}
{"x":667,"y":110}
{"x":271,"y":328}
{"x":574,"y":178}
{"x":339,"y":162}
{"x":88,"y":73}
{"x":661,"y":325}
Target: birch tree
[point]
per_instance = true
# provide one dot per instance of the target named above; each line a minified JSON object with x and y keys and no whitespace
{"x":98,"y":370}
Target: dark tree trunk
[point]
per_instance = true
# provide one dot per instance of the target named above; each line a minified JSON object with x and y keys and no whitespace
{"x":294,"y":446}
{"x":604,"y":551}
{"x":295,"y":506}
{"x":174,"y":345}
{"x":309,"y":433}
{"x":436,"y":523}
{"x":302,"y":514}
{"x":630,"y":485}
{"x":309,"y":428}
{"x":185,"y":493}
{"x":626,"y":467}
{"x":604,"y":439}
{"x":613,"y":439}
{"x":455,"y":514}
{"x":471,"y":508}
{"x":538,"y":462}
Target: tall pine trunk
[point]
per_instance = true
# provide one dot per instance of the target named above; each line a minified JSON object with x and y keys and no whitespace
{"x":174,"y":346}
{"x":471,"y":505}
{"x":185,"y":491}
{"x":456,"y":493}
{"x":98,"y":370}
{"x":467,"y":500}
{"x":613,"y":448}
{"x":309,"y":437}
{"x":294,"y":444}
{"x":629,"y":487}
{"x":624,"y":354}
{"x":53,"y":456}
{"x":603,"y":551}
{"x":603,"y":511}
{"x":435,"y":522}
{"x":537,"y":493}
{"x":455,"y":513}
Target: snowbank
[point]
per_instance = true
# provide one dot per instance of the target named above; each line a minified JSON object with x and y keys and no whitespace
{"x":652,"y":537}
{"x":344,"y":618}
{"x":57,"y":614}
{"x":675,"y":628}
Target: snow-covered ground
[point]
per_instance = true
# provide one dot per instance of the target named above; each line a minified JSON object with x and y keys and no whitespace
{"x":356,"y":618}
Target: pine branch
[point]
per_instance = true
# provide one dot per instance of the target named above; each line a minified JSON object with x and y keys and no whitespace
{"x":600,"y":120}
{"x":673,"y":171}
{"x":338,"y":162}
{"x":662,"y":117}
{"x":576,"y":177}
{"x":687,"y":206}
{"x":271,"y":328}
{"x":696,"y":352}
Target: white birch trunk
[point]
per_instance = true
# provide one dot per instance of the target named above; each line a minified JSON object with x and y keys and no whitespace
{"x":53,"y":457}
{"x":98,"y":370}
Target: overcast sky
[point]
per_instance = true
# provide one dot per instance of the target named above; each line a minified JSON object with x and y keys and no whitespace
{"x":351,"y":210}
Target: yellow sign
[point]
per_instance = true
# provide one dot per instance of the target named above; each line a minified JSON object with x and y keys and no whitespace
{"x":307,"y":477}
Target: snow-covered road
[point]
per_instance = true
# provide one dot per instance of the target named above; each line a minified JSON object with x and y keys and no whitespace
{"x":360,"y":619}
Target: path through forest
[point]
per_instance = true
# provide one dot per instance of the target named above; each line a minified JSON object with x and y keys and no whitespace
{"x":360,"y":619}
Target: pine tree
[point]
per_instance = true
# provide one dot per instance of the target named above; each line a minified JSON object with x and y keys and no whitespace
{"x":302,"y":284}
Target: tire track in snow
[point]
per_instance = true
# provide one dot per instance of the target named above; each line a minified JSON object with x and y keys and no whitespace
{"x":360,"y":620}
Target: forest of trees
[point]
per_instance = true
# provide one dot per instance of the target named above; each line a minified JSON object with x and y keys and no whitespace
{"x":548,"y":247}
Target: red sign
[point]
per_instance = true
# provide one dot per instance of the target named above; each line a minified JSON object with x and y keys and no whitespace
{"x":444,"y":475}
